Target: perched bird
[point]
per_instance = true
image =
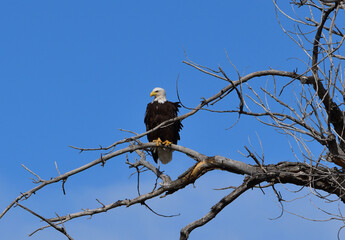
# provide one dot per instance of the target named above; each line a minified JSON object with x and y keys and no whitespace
{"x":158,"y":111}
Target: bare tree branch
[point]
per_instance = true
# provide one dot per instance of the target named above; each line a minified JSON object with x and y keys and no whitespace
{"x":60,"y":229}
{"x":247,"y":184}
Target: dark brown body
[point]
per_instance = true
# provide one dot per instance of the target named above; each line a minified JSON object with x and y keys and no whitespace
{"x":157,"y":113}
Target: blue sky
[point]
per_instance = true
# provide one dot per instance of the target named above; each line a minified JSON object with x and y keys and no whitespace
{"x":74,"y":72}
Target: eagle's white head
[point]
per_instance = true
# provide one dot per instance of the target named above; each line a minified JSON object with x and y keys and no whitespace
{"x":159,"y":94}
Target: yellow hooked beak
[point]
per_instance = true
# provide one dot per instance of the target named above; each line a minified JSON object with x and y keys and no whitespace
{"x":153,"y":94}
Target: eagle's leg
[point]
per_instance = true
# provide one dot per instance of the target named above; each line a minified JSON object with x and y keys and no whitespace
{"x":158,"y":141}
{"x":167,"y":143}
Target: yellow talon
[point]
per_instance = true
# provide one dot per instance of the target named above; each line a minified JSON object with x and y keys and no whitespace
{"x":157,"y":141}
{"x":167,"y":143}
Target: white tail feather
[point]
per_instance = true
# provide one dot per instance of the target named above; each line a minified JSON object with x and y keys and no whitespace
{"x":164,"y":155}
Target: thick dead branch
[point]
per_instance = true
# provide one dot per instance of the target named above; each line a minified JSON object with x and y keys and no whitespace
{"x":193,"y":154}
{"x":285,"y":172}
{"x":247,"y":184}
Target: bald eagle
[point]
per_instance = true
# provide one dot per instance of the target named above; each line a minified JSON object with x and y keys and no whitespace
{"x":158,"y":111}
